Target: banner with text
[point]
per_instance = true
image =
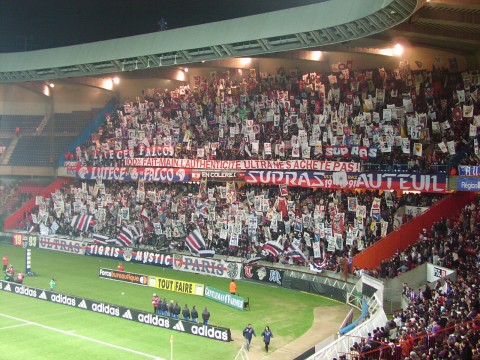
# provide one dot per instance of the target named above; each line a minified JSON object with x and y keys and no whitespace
{"x":148,"y":174}
{"x":126,"y":254}
{"x":467,"y":170}
{"x":62,"y":245}
{"x":436,"y":183}
{"x":303,"y":164}
{"x":224,"y":298}
{"x":124,"y":276}
{"x":468,"y":184}
{"x":218,"y":268}
{"x":207,"y":331}
{"x":183,"y":287}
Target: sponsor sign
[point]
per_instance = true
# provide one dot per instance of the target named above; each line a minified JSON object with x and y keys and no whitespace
{"x":179,"y":286}
{"x":130,"y":255}
{"x":149,"y":174}
{"x":465,"y":170}
{"x":198,"y":164}
{"x":435,"y":272}
{"x":468,"y":184}
{"x":204,"y":266}
{"x":207,"y":331}
{"x":62,"y":245}
{"x":337,"y":180}
{"x":262,"y":273}
{"x":124,"y":276}
{"x":224,"y":298}
{"x":25,"y":240}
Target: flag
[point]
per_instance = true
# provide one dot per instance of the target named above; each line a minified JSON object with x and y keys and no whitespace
{"x":272,"y":247}
{"x":318,"y":267}
{"x":295,"y":253}
{"x":125,"y":237}
{"x":195,"y":241}
{"x":253,"y":260}
{"x":103,"y":240}
{"x":81,"y":222}
{"x":206,"y":253}
{"x":137,"y":233}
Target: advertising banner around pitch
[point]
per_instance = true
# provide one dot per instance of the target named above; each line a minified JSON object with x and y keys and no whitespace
{"x":224,"y":298}
{"x":207,"y":331}
{"x":148,"y":174}
{"x":262,"y":273}
{"x":130,"y":255}
{"x":218,"y":268}
{"x":468,"y":184}
{"x":124,"y":276}
{"x":179,"y":286}
{"x":436,"y":183}
{"x":30,"y":240}
{"x":62,"y":245}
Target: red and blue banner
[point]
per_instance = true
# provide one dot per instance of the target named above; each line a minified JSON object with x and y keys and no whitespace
{"x":148,"y":174}
{"x":436,"y":183}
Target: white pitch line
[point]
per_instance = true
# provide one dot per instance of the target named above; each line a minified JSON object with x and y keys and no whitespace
{"x":15,"y":326}
{"x":82,"y":337}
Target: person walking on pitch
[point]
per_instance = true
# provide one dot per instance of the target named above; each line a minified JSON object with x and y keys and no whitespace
{"x":267,"y":335}
{"x":248,"y":332}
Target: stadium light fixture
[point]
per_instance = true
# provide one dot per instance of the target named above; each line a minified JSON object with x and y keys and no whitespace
{"x":398,"y":50}
{"x":185,"y":69}
{"x":116,"y":80}
{"x":108,"y":84}
{"x":245,"y":61}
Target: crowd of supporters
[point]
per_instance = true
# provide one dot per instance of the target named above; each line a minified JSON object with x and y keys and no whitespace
{"x":439,"y":322}
{"x":233,"y":220}
{"x":395,"y":120}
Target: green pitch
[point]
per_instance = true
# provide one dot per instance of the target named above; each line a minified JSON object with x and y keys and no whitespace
{"x":34,"y":329}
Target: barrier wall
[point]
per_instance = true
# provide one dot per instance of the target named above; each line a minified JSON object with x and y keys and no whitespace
{"x":13,"y":220}
{"x":407,"y":234}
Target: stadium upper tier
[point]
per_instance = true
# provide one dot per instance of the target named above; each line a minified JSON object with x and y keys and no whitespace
{"x":385,"y":120}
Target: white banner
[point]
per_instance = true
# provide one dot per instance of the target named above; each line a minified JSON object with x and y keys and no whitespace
{"x":63,"y":245}
{"x":303,"y":164}
{"x":218,"y":268}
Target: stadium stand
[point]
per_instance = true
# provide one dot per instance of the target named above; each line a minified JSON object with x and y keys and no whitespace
{"x":70,"y":123}
{"x":36,"y":150}
{"x":27,"y":124}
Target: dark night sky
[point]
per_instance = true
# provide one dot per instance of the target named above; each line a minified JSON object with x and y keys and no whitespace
{"x":39,"y":24}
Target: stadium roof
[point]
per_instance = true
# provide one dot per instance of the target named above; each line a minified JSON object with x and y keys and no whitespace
{"x":303,"y":27}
